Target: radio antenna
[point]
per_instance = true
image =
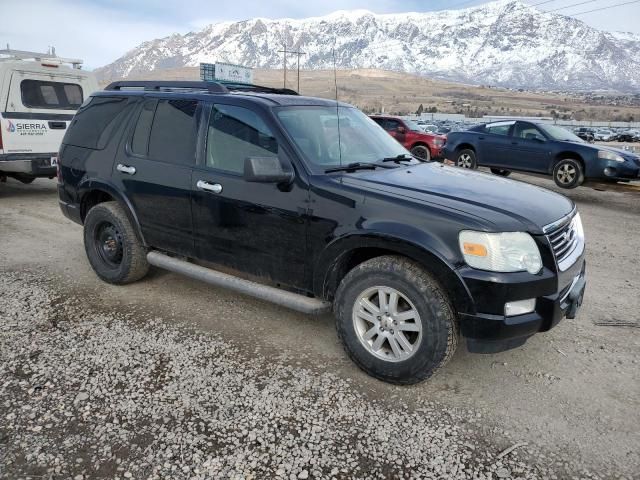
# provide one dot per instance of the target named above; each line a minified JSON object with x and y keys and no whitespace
{"x":335,"y":82}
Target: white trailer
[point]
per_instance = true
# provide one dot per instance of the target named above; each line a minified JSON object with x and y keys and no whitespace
{"x":39,"y":94}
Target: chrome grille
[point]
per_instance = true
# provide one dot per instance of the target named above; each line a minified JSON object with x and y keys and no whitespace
{"x":567,"y":243}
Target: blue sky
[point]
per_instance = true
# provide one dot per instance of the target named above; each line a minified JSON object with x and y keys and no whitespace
{"x":100,"y":31}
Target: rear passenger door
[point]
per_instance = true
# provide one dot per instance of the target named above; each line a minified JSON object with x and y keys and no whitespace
{"x":257,"y":228}
{"x":154,"y":170}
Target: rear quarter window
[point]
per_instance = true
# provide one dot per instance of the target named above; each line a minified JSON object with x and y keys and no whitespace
{"x":94,"y":124}
{"x":48,"y":94}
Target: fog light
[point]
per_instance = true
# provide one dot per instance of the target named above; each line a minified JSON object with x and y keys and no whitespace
{"x":610,"y":172}
{"x":511,"y":309}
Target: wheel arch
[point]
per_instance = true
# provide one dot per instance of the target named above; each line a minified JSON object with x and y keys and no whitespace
{"x":465,"y":146}
{"x":345,"y":254}
{"x":93,"y":193}
{"x":563,"y":155}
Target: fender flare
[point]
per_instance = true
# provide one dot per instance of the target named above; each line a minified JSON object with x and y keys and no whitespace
{"x":329,"y":268}
{"x":91,"y":185}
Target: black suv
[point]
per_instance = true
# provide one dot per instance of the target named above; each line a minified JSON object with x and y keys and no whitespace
{"x":321,"y":204}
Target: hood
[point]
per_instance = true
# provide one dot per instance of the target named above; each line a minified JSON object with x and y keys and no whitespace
{"x":499,"y":204}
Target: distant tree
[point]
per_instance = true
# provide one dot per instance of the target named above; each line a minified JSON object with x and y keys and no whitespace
{"x":420,"y":110}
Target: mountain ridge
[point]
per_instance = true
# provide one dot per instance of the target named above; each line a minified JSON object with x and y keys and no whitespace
{"x":504,"y":43}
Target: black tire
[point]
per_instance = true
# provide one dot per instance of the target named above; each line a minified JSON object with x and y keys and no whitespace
{"x":422,"y":152}
{"x":439,"y":339}
{"x":568,"y":173}
{"x":24,"y":178}
{"x":501,"y":173}
{"x":112,"y":247}
{"x":466,"y":159}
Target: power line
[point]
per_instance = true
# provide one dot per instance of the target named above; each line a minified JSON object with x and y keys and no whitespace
{"x":570,"y":6}
{"x":605,"y":8}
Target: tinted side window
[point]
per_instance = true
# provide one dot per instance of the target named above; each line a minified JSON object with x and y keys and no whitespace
{"x":174,"y":131}
{"x":528,"y":132}
{"x":391,"y":125}
{"x":140,"y":140}
{"x":40,"y":94}
{"x":94,"y":123}
{"x":236,"y":133}
{"x":502,"y":129}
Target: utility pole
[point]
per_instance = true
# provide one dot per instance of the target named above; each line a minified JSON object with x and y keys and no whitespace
{"x":284,"y":64}
{"x":286,"y":52}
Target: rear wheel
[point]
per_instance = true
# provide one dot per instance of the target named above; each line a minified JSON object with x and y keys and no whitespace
{"x":467,"y":159}
{"x":422,"y":152}
{"x":394,"y":320}
{"x":502,"y":173}
{"x":24,"y":178}
{"x":568,"y":173}
{"x":113,"y":250}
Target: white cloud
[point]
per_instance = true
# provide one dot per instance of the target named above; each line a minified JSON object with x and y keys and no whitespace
{"x":95,"y":34}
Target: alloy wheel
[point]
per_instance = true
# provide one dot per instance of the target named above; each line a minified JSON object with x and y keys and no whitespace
{"x":387,"y":323}
{"x":465,"y":161}
{"x":566,"y":174}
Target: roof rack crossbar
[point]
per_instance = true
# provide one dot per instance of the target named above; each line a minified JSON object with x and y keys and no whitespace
{"x":211,"y":87}
{"x":9,"y":54}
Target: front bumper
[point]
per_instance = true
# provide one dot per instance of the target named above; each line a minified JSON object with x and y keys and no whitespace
{"x":626,"y":171}
{"x":34,"y":164}
{"x":493,"y":332}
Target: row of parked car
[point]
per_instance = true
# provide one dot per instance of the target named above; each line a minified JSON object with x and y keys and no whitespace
{"x":607,"y":134}
{"x":517,"y":145}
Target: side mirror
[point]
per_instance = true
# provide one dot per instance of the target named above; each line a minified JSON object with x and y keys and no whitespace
{"x":401,"y":130}
{"x":265,"y":170}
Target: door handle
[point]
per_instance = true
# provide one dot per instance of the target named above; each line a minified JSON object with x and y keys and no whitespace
{"x":126,"y":169}
{"x":480,"y":138}
{"x":514,"y":143}
{"x":209,"y":187}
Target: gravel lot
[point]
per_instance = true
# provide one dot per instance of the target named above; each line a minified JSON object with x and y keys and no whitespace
{"x":171,"y":378}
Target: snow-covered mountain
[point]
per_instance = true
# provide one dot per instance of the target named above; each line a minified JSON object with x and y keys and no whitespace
{"x":505,"y":42}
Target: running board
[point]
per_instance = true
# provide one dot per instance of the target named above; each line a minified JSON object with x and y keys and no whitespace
{"x":291,"y":300}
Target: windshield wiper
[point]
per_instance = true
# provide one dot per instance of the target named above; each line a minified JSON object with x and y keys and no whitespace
{"x":403,"y":157}
{"x":354,"y":166}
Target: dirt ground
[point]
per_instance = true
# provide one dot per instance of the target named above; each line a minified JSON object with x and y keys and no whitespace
{"x":572,"y":394}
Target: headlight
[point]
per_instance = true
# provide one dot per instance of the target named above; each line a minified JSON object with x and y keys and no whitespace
{"x":500,"y":252}
{"x":605,"y":155}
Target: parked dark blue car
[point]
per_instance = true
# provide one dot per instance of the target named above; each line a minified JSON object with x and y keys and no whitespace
{"x":539,"y":148}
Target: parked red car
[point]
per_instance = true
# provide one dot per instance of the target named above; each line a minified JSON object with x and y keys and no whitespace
{"x":423,"y":145}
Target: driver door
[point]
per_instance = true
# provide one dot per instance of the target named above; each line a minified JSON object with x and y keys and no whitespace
{"x":256,"y":228}
{"x":396,"y":129}
{"x":531,"y":149}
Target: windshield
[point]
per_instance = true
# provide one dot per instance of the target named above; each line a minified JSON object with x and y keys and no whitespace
{"x":559,"y":133}
{"x":314,"y":129}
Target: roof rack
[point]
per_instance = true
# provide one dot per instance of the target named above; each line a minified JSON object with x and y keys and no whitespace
{"x":210,"y":87}
{"x":249,"y":87}
{"x":52,"y":57}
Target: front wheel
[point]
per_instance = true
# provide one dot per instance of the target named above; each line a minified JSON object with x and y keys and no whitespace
{"x":422,"y":152}
{"x":467,"y":159}
{"x":501,"y":173}
{"x":568,"y":173}
{"x":394,"y":320}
